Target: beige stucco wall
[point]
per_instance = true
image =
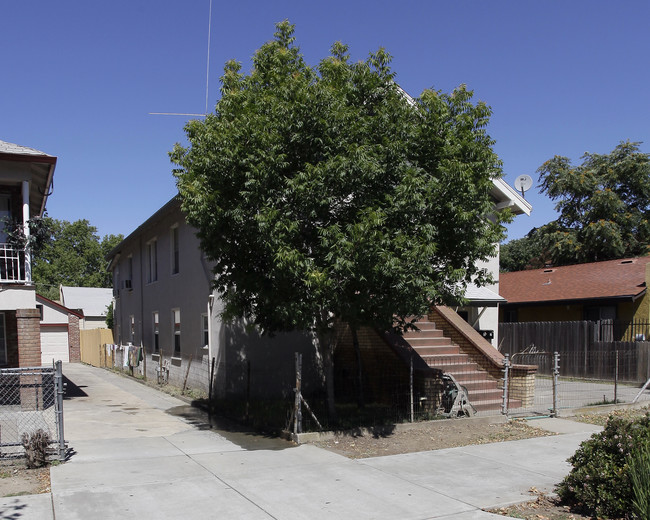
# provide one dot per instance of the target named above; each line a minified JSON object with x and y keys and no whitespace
{"x":17,"y":297}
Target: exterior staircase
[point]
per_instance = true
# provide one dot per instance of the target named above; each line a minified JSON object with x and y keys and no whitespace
{"x":438,"y":351}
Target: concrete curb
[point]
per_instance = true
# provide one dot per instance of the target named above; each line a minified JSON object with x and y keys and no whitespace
{"x":385,"y":430}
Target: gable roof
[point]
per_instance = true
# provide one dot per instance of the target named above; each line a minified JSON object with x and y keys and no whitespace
{"x":41,"y":168}
{"x":614,"y":279}
{"x":92,"y":301}
{"x":56,"y":305}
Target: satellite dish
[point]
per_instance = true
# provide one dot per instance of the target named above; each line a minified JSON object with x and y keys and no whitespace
{"x":523,"y":183}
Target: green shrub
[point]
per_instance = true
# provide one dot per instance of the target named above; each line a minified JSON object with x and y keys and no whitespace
{"x":600,"y":481}
{"x":640,"y":475}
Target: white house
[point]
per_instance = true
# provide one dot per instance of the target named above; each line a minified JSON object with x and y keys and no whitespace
{"x":91,"y":302}
{"x":25,"y":185}
{"x":59,"y":331}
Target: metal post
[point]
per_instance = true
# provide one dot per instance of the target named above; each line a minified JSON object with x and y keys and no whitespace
{"x":556,"y":374}
{"x":616,"y":380}
{"x":411,"y":387}
{"x":211,"y":377}
{"x":506,"y":369}
{"x":297,"y":416}
{"x":37,"y":387}
{"x":58,"y":405}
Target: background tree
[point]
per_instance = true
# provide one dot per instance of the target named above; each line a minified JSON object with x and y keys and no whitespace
{"x":604,"y":206}
{"x":326,"y":195}
{"x":71,"y":254}
{"x":523,"y":253}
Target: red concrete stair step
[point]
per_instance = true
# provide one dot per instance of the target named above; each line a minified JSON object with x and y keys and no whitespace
{"x":445,"y":350}
{"x":439,"y":352}
{"x":422,"y":341}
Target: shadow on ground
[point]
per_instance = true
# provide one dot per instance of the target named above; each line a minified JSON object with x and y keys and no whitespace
{"x":234,"y":432}
{"x":72,"y":390}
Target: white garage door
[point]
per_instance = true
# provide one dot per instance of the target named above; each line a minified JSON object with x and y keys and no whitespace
{"x":54,"y":345}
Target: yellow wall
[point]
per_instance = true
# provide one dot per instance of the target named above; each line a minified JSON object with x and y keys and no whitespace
{"x":625,"y":311}
{"x":550,"y":313}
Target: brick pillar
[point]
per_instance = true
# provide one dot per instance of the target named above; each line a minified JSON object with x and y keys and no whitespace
{"x":12,"y":339}
{"x":28,"y":324}
{"x":73,"y":339}
{"x":29,"y":337}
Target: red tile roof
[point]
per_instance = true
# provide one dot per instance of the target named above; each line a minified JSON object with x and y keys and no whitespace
{"x":624,"y":278}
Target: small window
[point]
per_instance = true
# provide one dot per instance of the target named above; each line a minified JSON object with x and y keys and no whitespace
{"x":40,"y":311}
{"x":176,"y":319}
{"x":152,"y":261}
{"x":156,"y":332}
{"x":175,"y":250}
{"x":205,"y":329}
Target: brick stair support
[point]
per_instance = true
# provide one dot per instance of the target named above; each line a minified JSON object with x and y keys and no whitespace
{"x":439,"y":352}
{"x":485,"y":358}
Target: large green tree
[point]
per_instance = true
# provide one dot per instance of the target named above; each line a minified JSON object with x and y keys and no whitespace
{"x":604,"y":206}
{"x":71,"y":254}
{"x":523,"y":253}
{"x":327,"y":195}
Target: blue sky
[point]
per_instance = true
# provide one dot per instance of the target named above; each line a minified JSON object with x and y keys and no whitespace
{"x":79,"y":79}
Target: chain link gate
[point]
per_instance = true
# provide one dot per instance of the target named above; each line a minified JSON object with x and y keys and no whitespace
{"x":546,"y":397}
{"x":31,"y":399}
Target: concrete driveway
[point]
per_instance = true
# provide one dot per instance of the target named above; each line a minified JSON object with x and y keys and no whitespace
{"x":139,"y":453}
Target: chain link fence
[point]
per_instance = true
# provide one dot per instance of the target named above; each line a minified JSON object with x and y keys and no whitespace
{"x":31,"y":400}
{"x":576,"y":380}
{"x":261,"y":392}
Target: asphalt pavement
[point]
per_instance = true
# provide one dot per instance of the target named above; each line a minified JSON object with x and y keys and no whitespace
{"x":136,"y":452}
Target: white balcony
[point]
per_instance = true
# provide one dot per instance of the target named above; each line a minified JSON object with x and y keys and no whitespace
{"x":12,"y":265}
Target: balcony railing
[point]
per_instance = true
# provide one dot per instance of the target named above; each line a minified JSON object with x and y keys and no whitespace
{"x":12,"y":265}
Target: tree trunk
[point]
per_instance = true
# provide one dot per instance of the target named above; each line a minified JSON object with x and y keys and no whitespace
{"x":326,"y":344}
{"x":357,"y":351}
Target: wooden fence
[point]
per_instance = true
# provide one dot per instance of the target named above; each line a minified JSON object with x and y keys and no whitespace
{"x":93,"y":350}
{"x":586,"y":348}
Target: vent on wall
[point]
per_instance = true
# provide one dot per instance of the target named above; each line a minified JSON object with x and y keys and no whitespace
{"x":127,"y":284}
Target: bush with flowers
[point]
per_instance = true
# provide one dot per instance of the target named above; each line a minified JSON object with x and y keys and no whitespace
{"x":600,"y":482}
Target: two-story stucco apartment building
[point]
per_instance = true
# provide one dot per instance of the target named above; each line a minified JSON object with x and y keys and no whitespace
{"x":164,"y":302}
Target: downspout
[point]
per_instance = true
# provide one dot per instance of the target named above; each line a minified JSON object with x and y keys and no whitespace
{"x":28,"y":259}
{"x":142,"y":296}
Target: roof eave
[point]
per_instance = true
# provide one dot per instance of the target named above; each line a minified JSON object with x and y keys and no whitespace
{"x":574,"y":301}
{"x":507,"y":197}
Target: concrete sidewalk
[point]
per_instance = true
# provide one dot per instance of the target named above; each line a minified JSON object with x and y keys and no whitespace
{"x":139,"y":453}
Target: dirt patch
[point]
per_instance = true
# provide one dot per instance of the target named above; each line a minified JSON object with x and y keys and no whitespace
{"x":17,"y":480}
{"x":600,"y":417}
{"x":425,"y":436}
{"x":542,"y":508}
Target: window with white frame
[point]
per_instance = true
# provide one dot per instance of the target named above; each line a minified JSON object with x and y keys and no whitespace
{"x":156,"y":332}
{"x":152,"y":261}
{"x":175,"y":250}
{"x":3,"y":340}
{"x":205,"y":330}
{"x":176,"y":320}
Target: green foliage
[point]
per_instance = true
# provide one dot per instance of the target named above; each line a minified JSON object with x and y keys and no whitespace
{"x":523,"y":253}
{"x":110,"y":316}
{"x":325,"y":194}
{"x":600,"y":480}
{"x":604,"y":206}
{"x":15,"y":233}
{"x":640,"y":475}
{"x":72,"y":254}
